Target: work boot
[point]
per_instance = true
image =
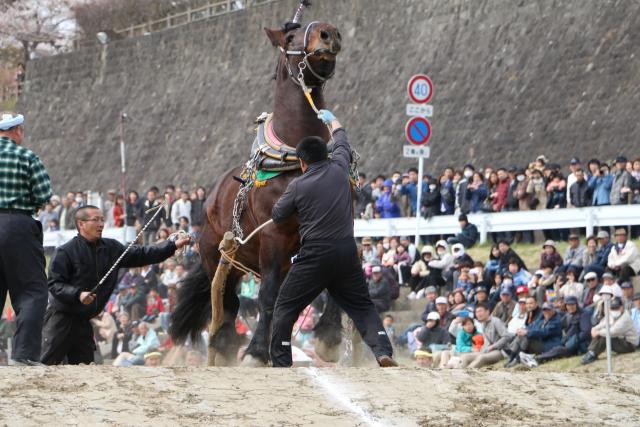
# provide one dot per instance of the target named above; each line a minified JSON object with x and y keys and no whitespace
{"x":387,"y":362}
{"x":590,"y":357}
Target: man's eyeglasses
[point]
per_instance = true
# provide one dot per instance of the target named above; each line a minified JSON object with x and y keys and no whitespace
{"x":98,"y":220}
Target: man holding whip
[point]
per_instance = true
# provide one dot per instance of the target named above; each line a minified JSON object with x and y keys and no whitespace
{"x":76,"y":291}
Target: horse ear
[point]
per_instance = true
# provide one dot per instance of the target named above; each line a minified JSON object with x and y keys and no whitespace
{"x":276,"y":37}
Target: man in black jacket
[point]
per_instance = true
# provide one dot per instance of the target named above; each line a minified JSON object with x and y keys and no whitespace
{"x":75,"y":269}
{"x":328,"y":259}
{"x":468,"y":235}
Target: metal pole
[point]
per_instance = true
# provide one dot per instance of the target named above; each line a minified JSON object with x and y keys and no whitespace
{"x":123,"y":177}
{"x":418,"y":199}
{"x":607,"y":305}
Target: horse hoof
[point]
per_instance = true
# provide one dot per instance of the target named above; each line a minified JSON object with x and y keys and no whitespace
{"x":327,"y":353}
{"x":251,"y":362}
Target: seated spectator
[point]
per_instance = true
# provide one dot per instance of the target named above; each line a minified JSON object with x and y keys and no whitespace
{"x":402,"y":263}
{"x":602,"y":254}
{"x":446,"y":317}
{"x":520,"y":342}
{"x":549,"y":255}
{"x":573,"y":255}
{"x":495,"y":337}
{"x":635,"y":312}
{"x":153,"y":358}
{"x":504,"y":309}
{"x":590,"y":289}
{"x":387,"y":323}
{"x":424,"y":359}
{"x":590,"y":255}
{"x":432,"y":295}
{"x":154,"y":306}
{"x":520,"y":276}
{"x":459,"y":301}
{"x":135,"y":302}
{"x":493,"y":265}
{"x":389,"y":257}
{"x":379,"y":290}
{"x":480,"y":294}
{"x":409,"y":247}
{"x":464,"y":282}
{"x":507,"y":254}
{"x":468,"y":235}
{"x":369,"y":255}
{"x":432,"y":337}
{"x":576,"y":326}
{"x":105,"y":326}
{"x":571,"y":286}
{"x":624,"y":259}
{"x":627,"y":295}
{"x":441,"y":264}
{"x":519,"y":317}
{"x":420,"y":271}
{"x":624,"y":336}
{"x":543,"y":335}
{"x":147,"y":341}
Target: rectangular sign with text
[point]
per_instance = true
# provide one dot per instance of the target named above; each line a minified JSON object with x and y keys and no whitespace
{"x":416,"y":151}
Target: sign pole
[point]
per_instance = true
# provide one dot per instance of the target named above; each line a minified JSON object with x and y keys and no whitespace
{"x":419,"y":199}
{"x":123,"y":177}
{"x":607,"y":304}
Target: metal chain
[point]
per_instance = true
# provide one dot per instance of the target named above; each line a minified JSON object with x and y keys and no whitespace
{"x":240,"y":203}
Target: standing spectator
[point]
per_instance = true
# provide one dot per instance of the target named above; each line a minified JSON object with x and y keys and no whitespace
{"x":387,"y":204}
{"x":24,"y":188}
{"x":409,"y":189}
{"x":624,"y":259}
{"x":499,"y":196}
{"x":153,"y":203}
{"x":447,"y":196}
{"x":621,"y":184}
{"x":574,"y":166}
{"x":624,"y":337}
{"x":468,"y":235}
{"x":476,"y":193}
{"x":181,"y":208}
{"x":65,"y":219}
{"x":363,"y":197}
{"x":47,"y":215}
{"x":20,"y":76}
{"x":107,"y":207}
{"x":134,"y":214}
{"x":379,"y":290}
{"x":600,"y":184}
{"x":118,"y":212}
{"x":538,"y":191}
{"x":197,"y":207}
{"x":431,"y":199}
{"x":579,"y":192}
{"x":462,"y":191}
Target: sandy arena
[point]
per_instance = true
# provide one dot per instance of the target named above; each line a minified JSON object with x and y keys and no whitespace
{"x":309,"y":396}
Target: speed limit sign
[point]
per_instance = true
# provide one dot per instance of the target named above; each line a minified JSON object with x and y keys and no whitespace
{"x":420,"y":89}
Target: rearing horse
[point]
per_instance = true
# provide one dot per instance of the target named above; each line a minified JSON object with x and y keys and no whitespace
{"x":308,"y":52}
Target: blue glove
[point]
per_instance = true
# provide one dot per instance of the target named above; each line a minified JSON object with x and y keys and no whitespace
{"x":326,"y":116}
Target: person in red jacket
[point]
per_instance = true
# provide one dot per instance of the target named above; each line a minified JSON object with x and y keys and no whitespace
{"x":499,"y":197}
{"x":154,"y":305}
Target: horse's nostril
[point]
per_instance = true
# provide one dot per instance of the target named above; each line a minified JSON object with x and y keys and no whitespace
{"x":324,"y":35}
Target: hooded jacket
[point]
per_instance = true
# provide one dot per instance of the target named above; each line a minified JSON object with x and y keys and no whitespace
{"x":547,"y":330}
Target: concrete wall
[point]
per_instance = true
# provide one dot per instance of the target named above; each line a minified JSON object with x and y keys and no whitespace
{"x":513,"y":79}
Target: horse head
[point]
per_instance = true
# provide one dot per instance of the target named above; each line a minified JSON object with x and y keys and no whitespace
{"x":307,"y":52}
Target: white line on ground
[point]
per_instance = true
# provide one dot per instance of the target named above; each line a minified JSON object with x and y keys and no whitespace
{"x":340,"y":397}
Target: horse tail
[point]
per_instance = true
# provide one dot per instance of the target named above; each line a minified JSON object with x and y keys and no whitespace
{"x":193,"y":308}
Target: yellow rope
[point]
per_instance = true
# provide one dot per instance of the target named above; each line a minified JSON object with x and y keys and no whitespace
{"x":228,"y":257}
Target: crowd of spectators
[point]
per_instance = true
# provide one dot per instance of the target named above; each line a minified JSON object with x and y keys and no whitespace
{"x":478,"y":313}
{"x":540,"y":185}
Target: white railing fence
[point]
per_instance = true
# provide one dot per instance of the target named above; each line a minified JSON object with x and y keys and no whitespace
{"x":588,"y":218}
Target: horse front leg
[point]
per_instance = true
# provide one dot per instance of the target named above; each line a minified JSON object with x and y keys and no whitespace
{"x":257,"y":353}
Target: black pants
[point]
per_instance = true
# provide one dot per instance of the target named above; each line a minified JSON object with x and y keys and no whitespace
{"x":331,"y":265}
{"x":66,"y":337}
{"x":22,"y":276}
{"x":618,"y":345}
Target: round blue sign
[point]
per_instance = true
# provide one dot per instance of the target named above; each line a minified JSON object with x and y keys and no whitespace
{"x":418,"y":131}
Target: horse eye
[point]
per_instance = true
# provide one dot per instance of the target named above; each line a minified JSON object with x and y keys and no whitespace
{"x":324,"y":35}
{"x":339,"y":35}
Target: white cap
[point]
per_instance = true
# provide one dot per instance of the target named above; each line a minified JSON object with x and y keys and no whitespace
{"x":591,"y":275}
{"x":376,"y":269}
{"x":605,"y":290}
{"x":433,"y":316}
{"x":442,"y":300}
{"x":7,"y":121}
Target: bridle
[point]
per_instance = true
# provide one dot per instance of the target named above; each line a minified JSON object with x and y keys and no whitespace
{"x":304,"y":64}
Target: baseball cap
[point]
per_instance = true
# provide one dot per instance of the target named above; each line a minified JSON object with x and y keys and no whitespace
{"x":590,"y":275}
{"x":574,"y":237}
{"x":616,"y":303}
{"x":571,"y":299}
{"x":522,"y":300}
{"x":433,"y":316}
{"x":607,"y":275}
{"x":547,"y":306}
{"x":505,"y":291}
{"x":464,"y":313}
{"x":522,"y":289}
{"x":421,"y":353}
{"x":602,"y":234}
{"x":626,"y":285}
{"x":376,"y":269}
{"x":606,"y":289}
{"x":621,"y":159}
{"x":442,"y":300}
{"x":481,"y":289}
{"x":430,"y":289}
{"x":574,"y":161}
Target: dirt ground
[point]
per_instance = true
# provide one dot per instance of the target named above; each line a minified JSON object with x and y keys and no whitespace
{"x":96,"y":395}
